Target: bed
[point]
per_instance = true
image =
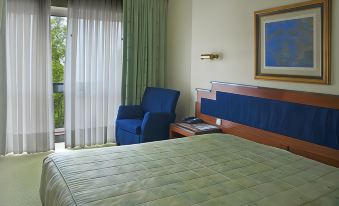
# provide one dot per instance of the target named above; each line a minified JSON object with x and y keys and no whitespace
{"x":280,"y":147}
{"x":213,"y":169}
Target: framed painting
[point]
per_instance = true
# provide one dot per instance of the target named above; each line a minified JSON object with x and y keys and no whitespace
{"x":292,"y":43}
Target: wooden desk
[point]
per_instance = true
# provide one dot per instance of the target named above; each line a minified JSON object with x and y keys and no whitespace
{"x":178,"y":130}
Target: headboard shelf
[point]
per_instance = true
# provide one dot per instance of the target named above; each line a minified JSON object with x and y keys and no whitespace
{"x":307,"y":98}
{"x":311,"y":150}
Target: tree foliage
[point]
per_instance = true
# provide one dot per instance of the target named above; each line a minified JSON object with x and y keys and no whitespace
{"x":58,"y":38}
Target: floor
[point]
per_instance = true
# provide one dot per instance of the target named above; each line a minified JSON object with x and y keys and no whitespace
{"x":20,"y":178}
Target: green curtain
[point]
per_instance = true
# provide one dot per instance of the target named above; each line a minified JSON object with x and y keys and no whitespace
{"x":2,"y":77}
{"x":144,"y":47}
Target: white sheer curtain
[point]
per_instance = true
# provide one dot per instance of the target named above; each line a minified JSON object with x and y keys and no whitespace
{"x":93,"y":71}
{"x":2,"y":78}
{"x":29,"y":77}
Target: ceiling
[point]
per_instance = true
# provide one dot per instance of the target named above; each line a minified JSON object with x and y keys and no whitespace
{"x":59,"y":3}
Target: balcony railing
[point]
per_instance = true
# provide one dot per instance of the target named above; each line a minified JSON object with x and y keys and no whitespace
{"x":59,"y":111}
{"x":58,"y":87}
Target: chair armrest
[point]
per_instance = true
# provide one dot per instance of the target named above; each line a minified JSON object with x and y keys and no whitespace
{"x":155,"y":126}
{"x":130,"y":112}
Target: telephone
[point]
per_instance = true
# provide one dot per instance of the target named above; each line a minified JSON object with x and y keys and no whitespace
{"x":192,"y":120}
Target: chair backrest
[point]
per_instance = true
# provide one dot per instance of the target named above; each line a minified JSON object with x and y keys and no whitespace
{"x":159,"y":100}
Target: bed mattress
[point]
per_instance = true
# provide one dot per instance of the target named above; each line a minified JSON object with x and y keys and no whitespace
{"x":213,"y":169}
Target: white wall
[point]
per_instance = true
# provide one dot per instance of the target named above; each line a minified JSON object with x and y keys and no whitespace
{"x":227,"y":27}
{"x":179,"y":37}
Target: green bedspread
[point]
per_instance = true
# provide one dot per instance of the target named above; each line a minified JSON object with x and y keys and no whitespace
{"x":214,"y":169}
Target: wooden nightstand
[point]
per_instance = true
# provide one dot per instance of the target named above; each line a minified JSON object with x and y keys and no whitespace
{"x":178,"y":130}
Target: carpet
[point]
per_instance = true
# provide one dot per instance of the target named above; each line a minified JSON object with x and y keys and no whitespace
{"x":20,"y":177}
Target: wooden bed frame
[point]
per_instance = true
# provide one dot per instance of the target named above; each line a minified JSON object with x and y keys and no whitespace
{"x":310,"y":150}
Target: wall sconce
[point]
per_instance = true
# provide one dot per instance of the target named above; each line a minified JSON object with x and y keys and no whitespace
{"x":209,"y":56}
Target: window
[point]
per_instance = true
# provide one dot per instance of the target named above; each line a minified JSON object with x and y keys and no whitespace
{"x":58,"y":24}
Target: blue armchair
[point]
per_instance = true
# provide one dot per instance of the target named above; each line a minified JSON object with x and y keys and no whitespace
{"x":149,"y":121}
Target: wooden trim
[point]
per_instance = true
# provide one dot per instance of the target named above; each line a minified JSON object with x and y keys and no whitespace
{"x":291,"y":6}
{"x":181,"y":129}
{"x":326,"y":40}
{"x":313,"y":151}
{"x":175,"y":130}
{"x":307,"y":98}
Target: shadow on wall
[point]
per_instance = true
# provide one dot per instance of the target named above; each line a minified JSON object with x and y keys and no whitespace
{"x":184,"y":108}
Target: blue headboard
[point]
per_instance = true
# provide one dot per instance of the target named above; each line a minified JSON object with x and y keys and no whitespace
{"x":304,"y":122}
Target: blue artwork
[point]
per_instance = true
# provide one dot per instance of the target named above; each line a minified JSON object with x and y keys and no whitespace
{"x":289,"y":43}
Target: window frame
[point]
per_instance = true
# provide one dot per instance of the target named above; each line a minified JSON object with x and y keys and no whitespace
{"x":59,"y":11}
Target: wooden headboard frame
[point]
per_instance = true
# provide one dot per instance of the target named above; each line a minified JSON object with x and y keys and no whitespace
{"x":313,"y":151}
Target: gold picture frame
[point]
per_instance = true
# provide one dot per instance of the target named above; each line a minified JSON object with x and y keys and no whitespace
{"x":292,"y":42}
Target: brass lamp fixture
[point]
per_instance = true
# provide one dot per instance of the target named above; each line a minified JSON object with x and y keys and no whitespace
{"x":209,"y":56}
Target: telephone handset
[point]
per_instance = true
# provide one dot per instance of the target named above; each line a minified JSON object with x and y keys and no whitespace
{"x":192,"y":120}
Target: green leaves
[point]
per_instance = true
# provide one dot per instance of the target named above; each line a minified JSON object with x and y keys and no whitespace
{"x":58,"y":43}
{"x":58,"y":38}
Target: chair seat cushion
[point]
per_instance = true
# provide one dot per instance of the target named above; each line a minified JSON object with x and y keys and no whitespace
{"x":130,"y":125}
